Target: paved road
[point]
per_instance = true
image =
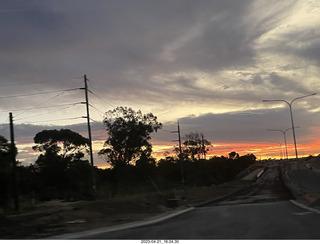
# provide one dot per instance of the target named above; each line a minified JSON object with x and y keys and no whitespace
{"x":261,"y":211}
{"x":272,"y":220}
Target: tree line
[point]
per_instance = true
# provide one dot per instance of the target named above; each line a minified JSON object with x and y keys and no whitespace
{"x":62,"y":172}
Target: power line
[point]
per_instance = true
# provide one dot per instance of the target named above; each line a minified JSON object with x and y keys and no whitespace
{"x":97,"y":109}
{"x":73,"y":118}
{"x":33,"y":108}
{"x":37,"y":82}
{"x":38,"y":93}
{"x":6,"y":121}
{"x":43,"y":102}
{"x":95,"y":121}
{"x":4,"y":125}
{"x":101,"y":99}
{"x":38,"y":107}
{"x":167,"y":131}
{"x":69,"y":106}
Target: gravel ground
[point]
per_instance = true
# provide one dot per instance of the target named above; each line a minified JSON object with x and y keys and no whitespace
{"x":303,"y":180}
{"x":57,"y":217}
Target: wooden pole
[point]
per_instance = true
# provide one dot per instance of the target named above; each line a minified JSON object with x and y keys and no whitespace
{"x":89,"y":132}
{"x":14,"y":167}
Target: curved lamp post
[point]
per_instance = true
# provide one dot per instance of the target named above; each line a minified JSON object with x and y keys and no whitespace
{"x":290,"y":106}
{"x":284,"y":136}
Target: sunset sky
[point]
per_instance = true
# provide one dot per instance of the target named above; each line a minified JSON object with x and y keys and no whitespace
{"x":208,"y":64}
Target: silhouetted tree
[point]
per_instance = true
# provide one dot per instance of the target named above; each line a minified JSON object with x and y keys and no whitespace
{"x":64,"y":143}
{"x":233,"y":155}
{"x":250,"y":157}
{"x":194,"y":144}
{"x":168,"y":172}
{"x":145,"y":161}
{"x":62,"y":153}
{"x":129,"y":135}
{"x":4,"y":146}
{"x":5,"y":171}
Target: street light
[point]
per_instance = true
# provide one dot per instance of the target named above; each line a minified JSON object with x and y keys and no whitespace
{"x":284,"y":136}
{"x":280,"y":150}
{"x":290,"y":106}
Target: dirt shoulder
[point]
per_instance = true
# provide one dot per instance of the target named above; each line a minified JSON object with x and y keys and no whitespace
{"x":57,"y":217}
{"x":49,"y":219}
{"x":303,"y":179}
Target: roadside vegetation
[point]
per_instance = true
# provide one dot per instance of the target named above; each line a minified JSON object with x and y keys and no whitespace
{"x":62,"y":172}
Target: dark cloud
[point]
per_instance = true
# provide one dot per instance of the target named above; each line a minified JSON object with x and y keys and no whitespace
{"x":120,"y":37}
{"x":249,"y":126}
{"x":257,"y":80}
{"x":286,"y":85}
{"x":302,"y":43}
{"x":311,"y":51}
{"x":245,"y":126}
{"x":38,"y":30}
{"x":187,"y":57}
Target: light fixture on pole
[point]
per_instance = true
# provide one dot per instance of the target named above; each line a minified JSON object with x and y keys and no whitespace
{"x":290,"y":107}
{"x":284,"y":136}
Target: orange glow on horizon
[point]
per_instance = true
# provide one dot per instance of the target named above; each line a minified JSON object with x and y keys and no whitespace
{"x":260,"y":150}
{"x":161,"y":150}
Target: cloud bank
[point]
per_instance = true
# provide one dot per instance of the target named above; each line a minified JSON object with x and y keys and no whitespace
{"x":208,"y":63}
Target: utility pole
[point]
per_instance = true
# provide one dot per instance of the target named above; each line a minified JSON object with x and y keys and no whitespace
{"x":180,"y":155}
{"x":203,"y":147}
{"x":14,"y":167}
{"x":89,"y":132}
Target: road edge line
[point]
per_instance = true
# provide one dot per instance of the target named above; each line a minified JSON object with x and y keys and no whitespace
{"x":109,"y":229}
{"x":304,"y":206}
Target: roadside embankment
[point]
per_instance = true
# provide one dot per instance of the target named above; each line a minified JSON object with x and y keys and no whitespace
{"x":302,"y":178}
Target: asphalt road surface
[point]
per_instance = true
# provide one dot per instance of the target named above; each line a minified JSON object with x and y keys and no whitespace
{"x":261,"y":211}
{"x":272,"y":220}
